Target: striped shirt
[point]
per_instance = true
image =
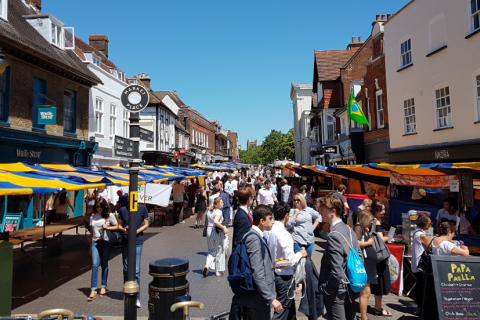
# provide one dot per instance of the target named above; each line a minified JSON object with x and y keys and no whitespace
{"x":302,"y":228}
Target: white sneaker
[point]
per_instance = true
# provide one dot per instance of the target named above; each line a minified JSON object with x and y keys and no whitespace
{"x":182,"y":221}
{"x":138,"y":304}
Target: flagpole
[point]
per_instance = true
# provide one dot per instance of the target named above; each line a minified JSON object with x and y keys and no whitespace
{"x":350,"y":134}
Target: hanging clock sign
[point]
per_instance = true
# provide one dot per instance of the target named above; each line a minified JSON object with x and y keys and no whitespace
{"x":135,"y":98}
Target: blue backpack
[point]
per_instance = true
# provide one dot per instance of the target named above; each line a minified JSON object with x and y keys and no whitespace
{"x":356,"y":273}
{"x":239,"y":268}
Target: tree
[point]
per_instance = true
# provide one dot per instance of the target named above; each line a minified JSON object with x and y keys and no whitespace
{"x":288,"y":144}
{"x":276,"y":145}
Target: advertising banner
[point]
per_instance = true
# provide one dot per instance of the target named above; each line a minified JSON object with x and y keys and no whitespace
{"x":152,"y":193}
{"x":396,"y":268}
{"x":422,"y":181}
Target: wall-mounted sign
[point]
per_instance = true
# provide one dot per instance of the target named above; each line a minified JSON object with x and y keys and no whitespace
{"x":182,"y":151}
{"x":47,"y":115}
{"x":123,"y":147}
{"x":146,"y":135}
{"x":26,"y":153}
{"x":135,"y":98}
{"x":330,"y":150}
{"x":11,"y":222}
{"x":442,"y":154}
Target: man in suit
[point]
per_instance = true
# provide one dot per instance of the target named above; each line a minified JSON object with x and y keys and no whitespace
{"x":241,"y":225}
{"x":338,"y":298}
{"x":257,"y":304}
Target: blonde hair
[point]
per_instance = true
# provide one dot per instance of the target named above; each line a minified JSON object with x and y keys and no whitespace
{"x":216,"y":201}
{"x":367,"y":202}
{"x":301,"y":197}
{"x":364,"y":218}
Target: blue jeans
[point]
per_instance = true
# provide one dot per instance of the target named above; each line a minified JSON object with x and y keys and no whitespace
{"x":100,"y":256}
{"x":137,"y":264}
{"x":309,"y":248}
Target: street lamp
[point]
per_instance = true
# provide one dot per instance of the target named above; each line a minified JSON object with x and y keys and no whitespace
{"x":3,"y":62}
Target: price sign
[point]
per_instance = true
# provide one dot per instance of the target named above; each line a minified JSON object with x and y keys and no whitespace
{"x":11,"y":222}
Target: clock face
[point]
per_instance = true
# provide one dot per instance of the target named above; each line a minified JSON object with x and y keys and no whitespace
{"x":135,"y":98}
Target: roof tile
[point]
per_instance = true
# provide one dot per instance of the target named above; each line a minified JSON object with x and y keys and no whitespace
{"x":329,"y":63}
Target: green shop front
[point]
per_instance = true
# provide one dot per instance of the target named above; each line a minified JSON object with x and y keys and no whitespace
{"x":39,"y":147}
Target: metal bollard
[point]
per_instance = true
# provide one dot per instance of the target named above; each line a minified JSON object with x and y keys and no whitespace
{"x":186,"y":305}
{"x":169,"y":283}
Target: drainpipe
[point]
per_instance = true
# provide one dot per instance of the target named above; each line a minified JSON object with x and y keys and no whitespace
{"x":81,"y":147}
{"x":95,"y":148}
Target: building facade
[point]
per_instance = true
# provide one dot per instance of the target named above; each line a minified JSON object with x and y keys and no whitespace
{"x":202,"y":134}
{"x":433,"y":76}
{"x":301,"y":96}
{"x":182,"y":143}
{"x":43,"y":77}
{"x":234,"y":146}
{"x":223,"y":151}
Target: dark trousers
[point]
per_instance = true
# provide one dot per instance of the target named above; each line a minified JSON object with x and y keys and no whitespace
{"x":236,"y":312}
{"x":339,"y":306}
{"x":419,"y":288}
{"x":235,"y":200}
{"x":177,"y":208}
{"x":284,"y":288}
{"x":257,"y":314}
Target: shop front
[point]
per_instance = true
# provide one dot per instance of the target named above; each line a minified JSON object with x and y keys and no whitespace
{"x":376,"y":151}
{"x":160,"y":158}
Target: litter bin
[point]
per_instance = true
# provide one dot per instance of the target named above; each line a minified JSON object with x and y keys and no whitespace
{"x":6,"y":270}
{"x":169,"y":282}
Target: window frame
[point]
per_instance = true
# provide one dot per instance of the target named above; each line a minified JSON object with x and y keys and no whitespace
{"x":58,"y":32}
{"x":126,"y":123}
{"x":99,"y":115}
{"x":113,"y":116}
{"x":6,"y":97}
{"x":409,"y":116}
{"x":472,"y":15}
{"x":379,"y":93}
{"x":4,"y":9}
{"x":476,"y":92}
{"x":74,"y":112}
{"x":35,"y":107}
{"x":332,"y":124}
{"x":436,"y":88}
{"x":406,"y":53}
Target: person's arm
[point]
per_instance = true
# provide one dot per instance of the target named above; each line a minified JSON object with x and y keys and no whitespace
{"x":424,"y":240}
{"x":347,"y":207}
{"x":113,"y":224}
{"x":290,"y":223}
{"x":315,"y":225}
{"x":317,"y":217}
{"x":336,"y":258}
{"x":471,"y":230}
{"x":460,"y":251}
{"x":144,"y":227}
{"x":380,"y":234}
{"x":274,"y":197}
{"x":70,"y":204}
{"x":358,"y":231}
{"x":260,"y":197}
{"x":287,"y":248}
{"x":217,"y":223}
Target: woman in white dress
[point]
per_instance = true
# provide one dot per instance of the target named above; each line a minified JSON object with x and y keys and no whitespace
{"x":215,"y":239}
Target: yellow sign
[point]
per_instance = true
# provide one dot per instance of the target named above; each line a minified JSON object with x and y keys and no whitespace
{"x":133,"y":200}
{"x":460,"y":273}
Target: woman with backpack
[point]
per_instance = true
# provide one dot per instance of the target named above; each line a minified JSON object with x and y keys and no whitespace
{"x":382,"y":288}
{"x":215,"y":239}
{"x":362,"y":229}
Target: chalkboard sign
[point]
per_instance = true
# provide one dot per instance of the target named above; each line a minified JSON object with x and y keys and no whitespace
{"x":467,"y":189}
{"x":457,"y":287}
{"x":11,"y":222}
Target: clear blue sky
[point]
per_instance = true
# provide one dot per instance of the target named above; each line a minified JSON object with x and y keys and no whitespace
{"x":230,"y":60}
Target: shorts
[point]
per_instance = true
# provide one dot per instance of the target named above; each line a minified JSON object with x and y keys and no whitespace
{"x":191,"y":202}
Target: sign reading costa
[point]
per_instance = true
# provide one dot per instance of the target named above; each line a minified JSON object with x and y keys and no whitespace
{"x":135,"y":98}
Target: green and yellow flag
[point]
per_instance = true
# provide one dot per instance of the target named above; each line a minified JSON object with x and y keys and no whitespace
{"x":354,"y":112}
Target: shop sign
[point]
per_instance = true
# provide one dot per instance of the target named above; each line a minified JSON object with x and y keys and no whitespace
{"x":330,"y":150}
{"x":28,"y":153}
{"x":182,"y":151}
{"x":175,"y":155}
{"x":135,"y":98}
{"x":146,"y":135}
{"x":11,"y":222}
{"x":422,"y":181}
{"x":47,"y":115}
{"x":123,"y":147}
{"x":346,"y":147}
{"x":442,"y":154}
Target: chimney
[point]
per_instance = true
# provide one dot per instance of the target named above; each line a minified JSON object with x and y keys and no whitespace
{"x":175,"y":92}
{"x":355,"y":45}
{"x":36,"y":3}
{"x":146,"y":80}
{"x":99,"y":42}
{"x":360,"y":40}
{"x":383,"y":17}
{"x":353,"y":39}
{"x":388,"y":16}
{"x":377,"y":17}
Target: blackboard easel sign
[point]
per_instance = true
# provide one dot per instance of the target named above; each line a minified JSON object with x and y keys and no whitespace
{"x":11,"y":222}
{"x":457,"y":287}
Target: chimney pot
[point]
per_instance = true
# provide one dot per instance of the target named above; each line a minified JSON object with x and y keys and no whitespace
{"x":175,"y":92}
{"x":99,"y":42}
{"x":148,"y":76}
{"x":143,"y":75}
{"x":383,"y":17}
{"x":377,"y":17}
{"x":139,"y":76}
{"x":360,"y":39}
{"x":353,"y":39}
{"x":388,"y":16}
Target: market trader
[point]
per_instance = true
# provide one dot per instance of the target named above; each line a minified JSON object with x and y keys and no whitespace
{"x":142,"y":225}
{"x":449,"y":213}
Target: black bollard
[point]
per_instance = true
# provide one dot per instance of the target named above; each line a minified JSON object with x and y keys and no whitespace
{"x":169,"y":285}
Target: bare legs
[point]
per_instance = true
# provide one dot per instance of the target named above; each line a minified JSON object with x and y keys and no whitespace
{"x":199,"y":219}
{"x":364,"y":296}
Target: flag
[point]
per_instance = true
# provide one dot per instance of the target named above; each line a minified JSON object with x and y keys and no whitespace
{"x":354,"y":112}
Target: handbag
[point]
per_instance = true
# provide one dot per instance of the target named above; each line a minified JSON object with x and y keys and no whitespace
{"x":112,"y":237}
{"x":379,"y":245}
{"x":425,"y":264}
{"x":205,"y":227}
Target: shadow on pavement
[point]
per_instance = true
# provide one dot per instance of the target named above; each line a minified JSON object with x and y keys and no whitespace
{"x":203,"y":253}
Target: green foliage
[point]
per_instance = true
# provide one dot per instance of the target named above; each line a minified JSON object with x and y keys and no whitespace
{"x":276,"y":145}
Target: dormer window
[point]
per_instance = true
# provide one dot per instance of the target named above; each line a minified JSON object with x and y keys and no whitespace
{"x":56,"y":35}
{"x":3,"y":9}
{"x":114,"y":72}
{"x":52,"y":29}
{"x":96,"y":61}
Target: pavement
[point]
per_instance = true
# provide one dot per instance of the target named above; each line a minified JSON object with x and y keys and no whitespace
{"x":66,"y":279}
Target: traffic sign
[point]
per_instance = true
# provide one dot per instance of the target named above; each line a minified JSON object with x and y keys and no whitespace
{"x":135,"y":98}
{"x":175,"y":155}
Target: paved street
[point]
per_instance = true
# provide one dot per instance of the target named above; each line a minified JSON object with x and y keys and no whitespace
{"x":66,"y":281}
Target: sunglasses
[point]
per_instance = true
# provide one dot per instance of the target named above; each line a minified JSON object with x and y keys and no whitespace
{"x":296,"y":200}
{"x":99,"y":207}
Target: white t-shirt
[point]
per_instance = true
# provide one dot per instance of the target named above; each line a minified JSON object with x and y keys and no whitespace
{"x":266,"y":197}
{"x":96,"y":222}
{"x":178,"y":192}
{"x":464,"y":224}
{"x":235,"y":185}
{"x":443,"y":249}
{"x":211,"y":198}
{"x":417,"y":248}
{"x":211,"y":217}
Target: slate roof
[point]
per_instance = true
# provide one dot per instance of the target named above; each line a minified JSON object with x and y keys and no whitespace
{"x":18,"y":36}
{"x":328,"y":64}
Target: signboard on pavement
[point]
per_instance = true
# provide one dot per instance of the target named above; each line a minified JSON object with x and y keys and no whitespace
{"x":135,"y":98}
{"x":47,"y":115}
{"x":11,"y":222}
{"x":123,"y":147}
{"x":146,"y":135}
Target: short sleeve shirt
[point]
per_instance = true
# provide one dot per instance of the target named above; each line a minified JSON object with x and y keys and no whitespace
{"x":444,"y":216}
{"x":178,"y":191}
{"x":97,"y":221}
{"x":443,"y":249}
{"x":142,"y":214}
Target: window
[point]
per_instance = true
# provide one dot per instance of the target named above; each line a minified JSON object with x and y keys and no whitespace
{"x":478,"y":95}
{"x":193,"y":136}
{"x":380,"y":111}
{"x":4,"y":94}
{"x":409,"y":116}
{"x":39,"y":99}
{"x":344,"y":127}
{"x":57,"y":35}
{"x":114,"y":72}
{"x":69,"y":111}
{"x":475,"y":4}
{"x":126,"y":123}
{"x":113,"y":119}
{"x":406,"y":53}
{"x":330,"y":128}
{"x":96,"y":61}
{"x":99,"y":115}
{"x":3,"y":9}
{"x":442,"y":104}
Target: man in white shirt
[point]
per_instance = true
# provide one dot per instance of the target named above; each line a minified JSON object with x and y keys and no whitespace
{"x":286,"y":192}
{"x":449,"y":213}
{"x":235,"y":195}
{"x":266,"y":195}
{"x":215,"y":194}
{"x":280,"y":244}
{"x":178,"y":202}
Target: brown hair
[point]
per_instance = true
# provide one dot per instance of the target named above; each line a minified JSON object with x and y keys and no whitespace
{"x":364,"y":218}
{"x":105,"y":208}
{"x":445,"y":227}
{"x":367,"y":202}
{"x":341,"y":188}
{"x":244,"y":194}
{"x":216,"y":201}
{"x":331,"y":202}
{"x":377,"y":206}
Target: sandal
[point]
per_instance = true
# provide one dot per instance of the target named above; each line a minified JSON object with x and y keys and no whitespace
{"x":102,"y":294}
{"x":382,"y":312}
{"x":91,"y":298}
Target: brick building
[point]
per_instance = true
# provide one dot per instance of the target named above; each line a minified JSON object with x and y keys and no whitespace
{"x":234,"y":145}
{"x":42,"y":72}
{"x":202,"y":133}
{"x":374,"y":98}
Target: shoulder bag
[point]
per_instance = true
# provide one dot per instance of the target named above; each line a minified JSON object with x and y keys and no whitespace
{"x":380,"y":246}
{"x":111,"y":237}
{"x":425,"y":264}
